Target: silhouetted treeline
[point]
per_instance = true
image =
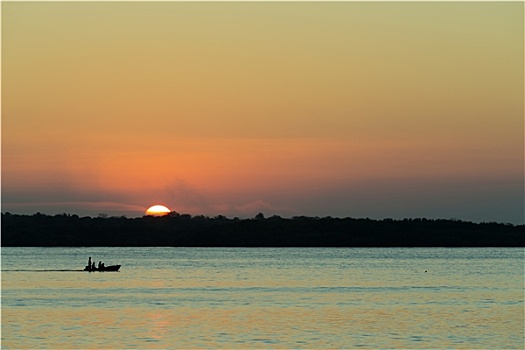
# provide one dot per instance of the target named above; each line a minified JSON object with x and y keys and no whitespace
{"x":182,"y":230}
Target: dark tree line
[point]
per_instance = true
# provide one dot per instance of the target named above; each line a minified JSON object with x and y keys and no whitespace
{"x":183,"y":230}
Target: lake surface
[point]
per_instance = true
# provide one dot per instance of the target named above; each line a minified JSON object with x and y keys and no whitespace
{"x":263,"y":298}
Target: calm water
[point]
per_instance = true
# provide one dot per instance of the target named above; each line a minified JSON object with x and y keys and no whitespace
{"x":263,"y":298}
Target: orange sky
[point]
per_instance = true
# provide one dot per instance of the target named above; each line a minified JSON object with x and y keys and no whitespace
{"x":342,"y":109}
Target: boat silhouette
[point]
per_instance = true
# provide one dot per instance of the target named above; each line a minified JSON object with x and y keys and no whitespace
{"x":110,"y":268}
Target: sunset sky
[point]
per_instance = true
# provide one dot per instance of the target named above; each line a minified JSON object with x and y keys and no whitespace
{"x":361,"y":109}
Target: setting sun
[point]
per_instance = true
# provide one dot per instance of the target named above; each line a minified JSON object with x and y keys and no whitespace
{"x":157,"y":210}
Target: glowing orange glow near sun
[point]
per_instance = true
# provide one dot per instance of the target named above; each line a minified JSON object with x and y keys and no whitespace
{"x":157,"y":210}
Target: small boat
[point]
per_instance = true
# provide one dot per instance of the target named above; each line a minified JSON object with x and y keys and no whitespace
{"x":103,"y":268}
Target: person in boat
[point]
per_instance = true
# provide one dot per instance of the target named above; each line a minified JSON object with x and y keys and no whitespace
{"x":100,"y":265}
{"x":93,"y":268}
{"x":89,"y":264}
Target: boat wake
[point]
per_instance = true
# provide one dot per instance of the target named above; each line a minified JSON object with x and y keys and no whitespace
{"x":41,"y":270}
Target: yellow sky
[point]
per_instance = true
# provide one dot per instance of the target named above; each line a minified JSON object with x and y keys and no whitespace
{"x":260,"y":99}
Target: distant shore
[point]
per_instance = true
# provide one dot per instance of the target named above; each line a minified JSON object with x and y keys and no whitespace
{"x":184,"y":230}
